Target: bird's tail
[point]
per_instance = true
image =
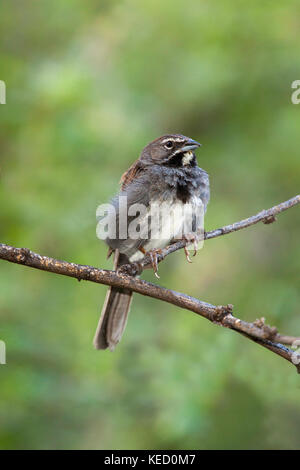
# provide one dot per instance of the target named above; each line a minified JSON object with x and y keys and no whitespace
{"x":114,"y":313}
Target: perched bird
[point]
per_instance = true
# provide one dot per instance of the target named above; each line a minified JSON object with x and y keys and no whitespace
{"x":165,"y":173}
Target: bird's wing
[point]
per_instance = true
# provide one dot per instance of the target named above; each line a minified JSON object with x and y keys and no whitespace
{"x":131,"y":174}
{"x":136,"y":188}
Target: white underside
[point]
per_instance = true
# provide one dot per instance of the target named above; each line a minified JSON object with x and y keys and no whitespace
{"x":174,"y":222}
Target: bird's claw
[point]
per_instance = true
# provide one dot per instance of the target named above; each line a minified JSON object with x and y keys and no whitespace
{"x":186,"y":251}
{"x":195,"y":246}
{"x":153,"y":257}
{"x":191,"y":239}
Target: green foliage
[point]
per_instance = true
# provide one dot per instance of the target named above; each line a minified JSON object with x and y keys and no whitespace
{"x":88,"y":85}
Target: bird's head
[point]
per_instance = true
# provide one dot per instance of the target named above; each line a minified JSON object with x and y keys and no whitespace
{"x":173,"y":150}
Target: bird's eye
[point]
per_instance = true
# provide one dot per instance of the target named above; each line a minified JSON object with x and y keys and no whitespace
{"x":169,"y":144}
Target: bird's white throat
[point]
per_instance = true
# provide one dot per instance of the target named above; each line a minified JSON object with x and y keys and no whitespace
{"x":187,"y":158}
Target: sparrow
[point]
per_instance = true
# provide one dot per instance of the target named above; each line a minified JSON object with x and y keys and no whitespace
{"x":166,"y":172}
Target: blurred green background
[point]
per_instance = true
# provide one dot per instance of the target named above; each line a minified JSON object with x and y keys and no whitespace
{"x":90,"y":83}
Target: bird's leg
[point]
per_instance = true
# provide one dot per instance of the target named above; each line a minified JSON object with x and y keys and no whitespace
{"x":191,"y":238}
{"x":109,"y":253}
{"x":186,"y":252}
{"x":153,"y":257}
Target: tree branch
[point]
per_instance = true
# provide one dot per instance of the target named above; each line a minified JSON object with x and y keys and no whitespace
{"x":258,"y":331}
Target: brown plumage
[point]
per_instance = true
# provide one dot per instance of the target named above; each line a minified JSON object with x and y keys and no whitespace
{"x":130,"y":174}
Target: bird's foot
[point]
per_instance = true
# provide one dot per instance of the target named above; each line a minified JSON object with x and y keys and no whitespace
{"x":154,"y":262}
{"x":191,"y":239}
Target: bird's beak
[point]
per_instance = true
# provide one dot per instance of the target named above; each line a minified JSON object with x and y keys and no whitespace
{"x":190,"y":144}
